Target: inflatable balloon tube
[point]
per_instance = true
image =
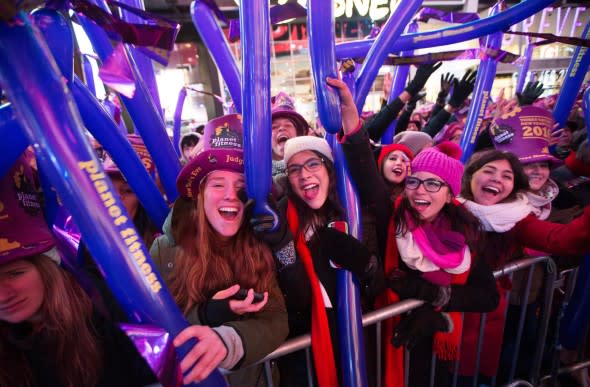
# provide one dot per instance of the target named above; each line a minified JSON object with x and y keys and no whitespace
{"x":215,"y":41}
{"x":141,"y":108}
{"x":481,"y":95}
{"x":144,"y":63}
{"x":255,"y":44}
{"x":524,"y":68}
{"x":14,"y":142}
{"x":48,"y":115}
{"x":105,"y":130}
{"x":178,"y":120}
{"x":348,"y":303}
{"x":57,"y":30}
{"x":574,"y":76}
{"x":321,"y":30}
{"x":380,"y":49}
{"x":398,"y":84}
{"x":448,"y":35}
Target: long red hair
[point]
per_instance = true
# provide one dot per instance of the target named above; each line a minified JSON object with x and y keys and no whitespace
{"x":64,"y":328}
{"x":207,"y":263}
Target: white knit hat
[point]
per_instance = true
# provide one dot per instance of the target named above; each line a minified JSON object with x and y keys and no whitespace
{"x":303,"y":143}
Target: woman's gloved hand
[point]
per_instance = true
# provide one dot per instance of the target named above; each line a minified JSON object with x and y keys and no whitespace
{"x":422,"y":74}
{"x":446,"y":82}
{"x":421,"y":322}
{"x":531,"y":92}
{"x":413,"y":286}
{"x":462,"y":88}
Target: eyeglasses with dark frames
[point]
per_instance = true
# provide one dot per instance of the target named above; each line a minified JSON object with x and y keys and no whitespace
{"x":311,"y":165}
{"x":430,"y":185}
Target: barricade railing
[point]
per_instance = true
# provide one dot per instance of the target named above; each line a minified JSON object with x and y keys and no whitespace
{"x":550,"y":284}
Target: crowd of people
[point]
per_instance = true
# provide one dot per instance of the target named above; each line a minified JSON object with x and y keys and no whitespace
{"x":434,"y":229}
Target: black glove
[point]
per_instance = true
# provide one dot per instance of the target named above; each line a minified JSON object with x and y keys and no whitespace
{"x":408,"y":285}
{"x":421,"y":322}
{"x":531,"y":92}
{"x":373,"y":280}
{"x":263,"y":224}
{"x":344,"y":250}
{"x":462,"y":88}
{"x":216,"y":312}
{"x":415,"y":98}
{"x":422,"y":74}
{"x":446,"y":81}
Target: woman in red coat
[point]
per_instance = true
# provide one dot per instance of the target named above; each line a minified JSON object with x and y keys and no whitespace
{"x":493,"y":189}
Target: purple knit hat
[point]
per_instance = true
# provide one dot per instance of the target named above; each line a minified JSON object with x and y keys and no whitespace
{"x":222,"y":150}
{"x":139,"y":147}
{"x":525,"y":131}
{"x":284,"y":107}
{"x":442,"y":161}
{"x":23,"y":231}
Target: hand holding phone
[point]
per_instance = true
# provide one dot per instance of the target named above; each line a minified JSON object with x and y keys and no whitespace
{"x":243,"y":293}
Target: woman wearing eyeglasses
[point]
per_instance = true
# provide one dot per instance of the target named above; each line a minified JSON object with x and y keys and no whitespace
{"x":429,"y":247}
{"x":303,"y":246}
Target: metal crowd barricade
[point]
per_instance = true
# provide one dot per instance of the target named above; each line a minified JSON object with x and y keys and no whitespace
{"x":550,"y":284}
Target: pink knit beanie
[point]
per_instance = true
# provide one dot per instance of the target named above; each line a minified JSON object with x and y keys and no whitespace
{"x":442,"y":161}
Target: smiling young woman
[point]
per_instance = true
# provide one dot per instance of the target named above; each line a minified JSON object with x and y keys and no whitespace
{"x":495,"y":189}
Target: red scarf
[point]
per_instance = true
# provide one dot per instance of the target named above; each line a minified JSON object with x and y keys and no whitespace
{"x":446,"y":344}
{"x":321,"y":341}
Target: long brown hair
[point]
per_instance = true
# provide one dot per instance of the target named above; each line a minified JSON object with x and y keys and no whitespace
{"x":207,"y":263}
{"x":330,"y":211}
{"x":64,"y":328}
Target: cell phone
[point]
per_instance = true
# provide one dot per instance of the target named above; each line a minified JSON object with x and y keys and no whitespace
{"x":243,"y":293}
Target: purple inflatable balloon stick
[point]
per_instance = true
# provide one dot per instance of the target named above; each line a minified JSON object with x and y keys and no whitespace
{"x":574,"y":76}
{"x":350,"y":331}
{"x":524,"y":67}
{"x":143,"y":111}
{"x":59,"y":37}
{"x":215,"y":41}
{"x":255,"y":45}
{"x":321,"y":30}
{"x":14,"y":142}
{"x":398,"y":84}
{"x":143,"y":62}
{"x":448,"y":35}
{"x":178,"y":120}
{"x":48,"y":115}
{"x":486,"y":74}
{"x":380,"y":49}
{"x":104,"y":129}
{"x":88,"y":74}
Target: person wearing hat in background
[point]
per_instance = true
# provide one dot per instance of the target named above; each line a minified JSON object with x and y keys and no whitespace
{"x":216,"y":256}
{"x":286,"y":124}
{"x":187,"y":143}
{"x":451,"y":132}
{"x":141,"y":220}
{"x":51,"y":333}
{"x":303,"y":246}
{"x":415,"y":141}
{"x":429,"y":249}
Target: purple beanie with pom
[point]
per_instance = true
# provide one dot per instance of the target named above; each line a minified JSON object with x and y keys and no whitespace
{"x":442,"y":161}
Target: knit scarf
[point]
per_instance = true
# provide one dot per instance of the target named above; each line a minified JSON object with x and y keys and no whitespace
{"x":433,"y":246}
{"x":541,"y":202}
{"x":446,"y":344}
{"x":500,"y":217}
{"x":321,"y":342}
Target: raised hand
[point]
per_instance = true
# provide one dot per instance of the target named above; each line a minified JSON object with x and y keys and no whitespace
{"x":422,"y":74}
{"x":350,"y":115}
{"x":531,"y":92}
{"x":462,"y":88}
